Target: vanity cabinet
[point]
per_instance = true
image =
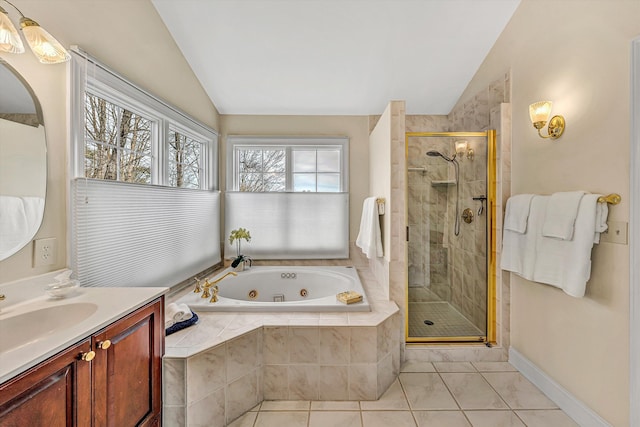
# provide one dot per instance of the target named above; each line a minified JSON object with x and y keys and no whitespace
{"x":112,"y":378}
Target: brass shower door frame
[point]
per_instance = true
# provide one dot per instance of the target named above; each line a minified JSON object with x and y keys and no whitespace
{"x":490,"y":337}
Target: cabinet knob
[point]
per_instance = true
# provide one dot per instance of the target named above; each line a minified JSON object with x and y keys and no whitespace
{"x":103,"y":345}
{"x":88,"y":356}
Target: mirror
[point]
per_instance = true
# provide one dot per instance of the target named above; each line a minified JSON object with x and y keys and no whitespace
{"x":23,"y":162}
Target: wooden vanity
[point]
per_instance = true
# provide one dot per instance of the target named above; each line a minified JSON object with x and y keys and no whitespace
{"x":109,"y":376}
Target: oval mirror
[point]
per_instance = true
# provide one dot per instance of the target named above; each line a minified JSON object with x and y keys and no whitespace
{"x":23,"y":162}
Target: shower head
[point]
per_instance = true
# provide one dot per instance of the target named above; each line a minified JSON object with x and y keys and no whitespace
{"x":439,"y":154}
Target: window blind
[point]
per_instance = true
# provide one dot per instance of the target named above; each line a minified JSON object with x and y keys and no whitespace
{"x":142,"y":235}
{"x":289,"y":225}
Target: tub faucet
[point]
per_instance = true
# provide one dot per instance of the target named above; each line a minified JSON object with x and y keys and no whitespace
{"x":207,"y":285}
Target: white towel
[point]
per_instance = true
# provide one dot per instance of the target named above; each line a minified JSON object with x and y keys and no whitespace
{"x":175,"y":313}
{"x":561,"y":214}
{"x":566,"y":264}
{"x":602,"y":212}
{"x":20,"y":219}
{"x":369,"y":238}
{"x":519,"y":249}
{"x":517,"y":212}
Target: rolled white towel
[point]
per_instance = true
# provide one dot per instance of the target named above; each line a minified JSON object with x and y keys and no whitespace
{"x":183,"y":314}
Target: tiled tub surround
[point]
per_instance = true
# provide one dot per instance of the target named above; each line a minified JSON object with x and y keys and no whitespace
{"x":226,"y":364}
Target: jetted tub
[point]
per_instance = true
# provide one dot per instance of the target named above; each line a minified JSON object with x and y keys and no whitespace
{"x":282,"y":288}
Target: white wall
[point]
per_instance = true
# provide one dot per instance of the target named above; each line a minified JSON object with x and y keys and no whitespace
{"x":577,"y":54}
{"x":141,"y":49}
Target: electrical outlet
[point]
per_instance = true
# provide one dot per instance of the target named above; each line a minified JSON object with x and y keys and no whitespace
{"x":616,"y":233}
{"x":45,"y":252}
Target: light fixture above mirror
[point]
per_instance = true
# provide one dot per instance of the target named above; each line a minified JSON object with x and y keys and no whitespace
{"x":539,"y":113}
{"x":43,"y":45}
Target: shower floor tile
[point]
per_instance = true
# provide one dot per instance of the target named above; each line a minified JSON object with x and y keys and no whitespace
{"x":447,"y":321}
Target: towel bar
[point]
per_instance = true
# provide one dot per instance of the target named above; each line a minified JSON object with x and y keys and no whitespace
{"x":612,"y":199}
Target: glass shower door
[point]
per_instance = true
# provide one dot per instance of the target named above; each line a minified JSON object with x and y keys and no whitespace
{"x":448,"y":219}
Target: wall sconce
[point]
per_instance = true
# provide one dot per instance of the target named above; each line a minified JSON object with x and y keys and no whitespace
{"x":462,"y":149}
{"x":43,"y":45}
{"x":539,"y":113}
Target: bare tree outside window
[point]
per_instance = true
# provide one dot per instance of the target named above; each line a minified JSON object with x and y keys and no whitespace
{"x":117,"y":142}
{"x":184,"y":160}
{"x":261,"y":170}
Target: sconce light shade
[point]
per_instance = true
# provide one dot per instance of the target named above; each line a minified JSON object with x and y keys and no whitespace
{"x":539,"y":113}
{"x":46,"y":48}
{"x":461,"y":147}
{"x":10,"y":41}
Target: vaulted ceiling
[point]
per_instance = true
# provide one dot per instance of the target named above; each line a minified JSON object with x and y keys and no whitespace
{"x":334,"y":57}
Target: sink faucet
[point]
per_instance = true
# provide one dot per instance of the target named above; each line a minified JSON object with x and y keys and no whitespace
{"x":207,"y":285}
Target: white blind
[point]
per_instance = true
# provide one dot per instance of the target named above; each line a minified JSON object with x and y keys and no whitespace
{"x":289,"y":225}
{"x":142,"y":235}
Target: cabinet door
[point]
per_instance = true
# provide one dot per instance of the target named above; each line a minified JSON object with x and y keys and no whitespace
{"x":127,"y":371}
{"x":57,"y":392}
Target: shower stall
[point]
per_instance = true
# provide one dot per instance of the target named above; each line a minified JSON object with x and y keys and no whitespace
{"x":451,"y":236}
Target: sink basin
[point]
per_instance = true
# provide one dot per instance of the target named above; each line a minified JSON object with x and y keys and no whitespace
{"x":25,"y":328}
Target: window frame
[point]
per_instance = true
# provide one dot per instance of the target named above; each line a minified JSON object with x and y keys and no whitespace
{"x":89,"y":76}
{"x":289,"y":144}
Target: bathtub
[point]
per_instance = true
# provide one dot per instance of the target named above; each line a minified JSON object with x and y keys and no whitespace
{"x":281,"y":289}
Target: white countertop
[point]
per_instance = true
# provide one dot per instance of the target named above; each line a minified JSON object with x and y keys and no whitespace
{"x":26,"y":296}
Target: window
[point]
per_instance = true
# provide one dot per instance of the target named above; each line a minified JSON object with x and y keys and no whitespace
{"x":291,"y":193}
{"x":117,"y":142}
{"x":131,"y":136}
{"x":185,"y":154}
{"x":143,"y":193}
{"x":315,"y":165}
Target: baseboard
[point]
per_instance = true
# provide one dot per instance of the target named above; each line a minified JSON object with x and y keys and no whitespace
{"x":571,"y":405}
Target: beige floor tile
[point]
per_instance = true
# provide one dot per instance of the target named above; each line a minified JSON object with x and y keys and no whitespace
{"x":413,"y":366}
{"x":247,"y":420}
{"x":281,"y":419}
{"x":494,"y":419}
{"x":471,"y":391}
{"x":545,"y":418}
{"x":454,"y":367}
{"x":335,"y":419}
{"x":387,"y":419}
{"x":427,"y":392}
{"x":441,"y":419}
{"x":285,"y":405}
{"x":517,"y":391}
{"x":494,"y":367}
{"x":334,"y":405}
{"x":392,"y":399}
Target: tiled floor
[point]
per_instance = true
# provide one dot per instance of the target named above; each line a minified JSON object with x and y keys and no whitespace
{"x":488,"y":394}
{"x":447,"y":321}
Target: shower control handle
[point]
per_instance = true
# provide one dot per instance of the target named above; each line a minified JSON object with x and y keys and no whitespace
{"x":467,"y":215}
